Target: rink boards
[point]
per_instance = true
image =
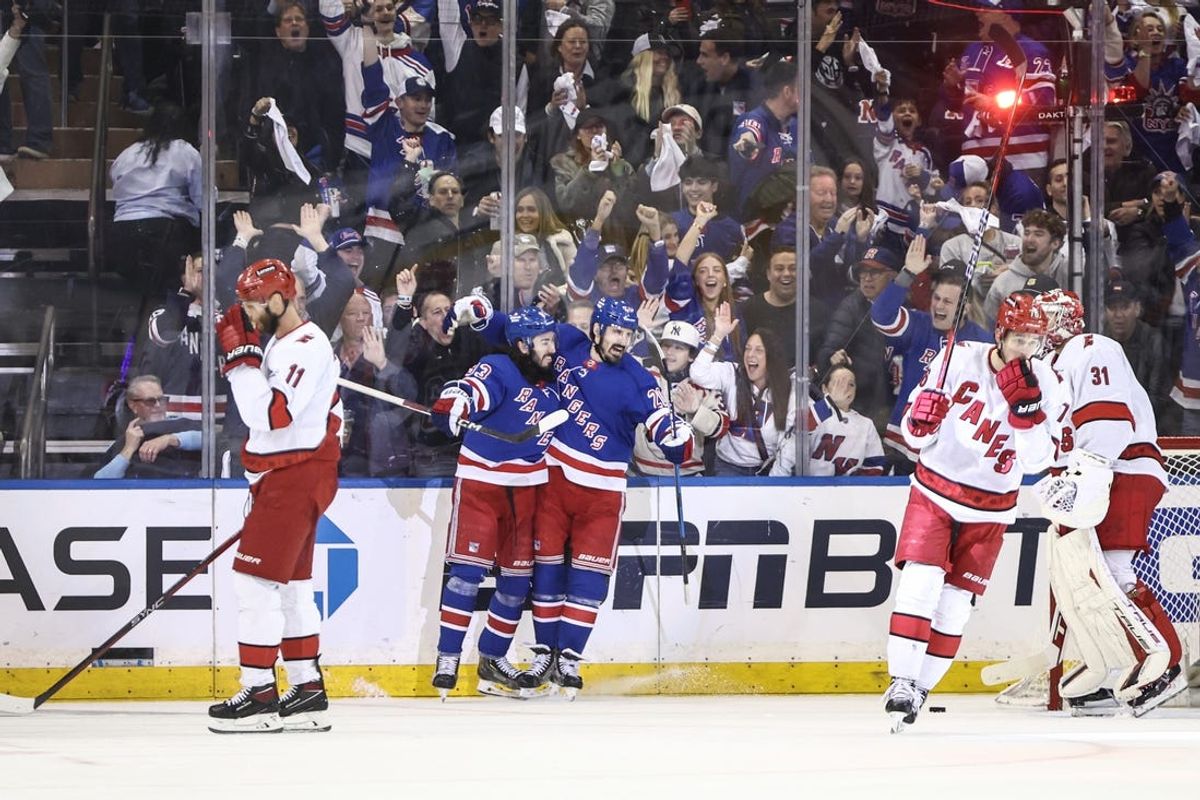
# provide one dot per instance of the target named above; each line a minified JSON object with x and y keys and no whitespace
{"x":790,"y":587}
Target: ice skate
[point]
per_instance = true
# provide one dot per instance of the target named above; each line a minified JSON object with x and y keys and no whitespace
{"x":304,"y":707}
{"x":1154,"y":694}
{"x":565,"y":674}
{"x":537,"y":677}
{"x":255,"y":709}
{"x":902,"y":702}
{"x":498,"y":676}
{"x":1100,"y":703}
{"x":445,"y":676}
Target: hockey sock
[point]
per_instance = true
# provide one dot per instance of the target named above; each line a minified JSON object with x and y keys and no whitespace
{"x":949,"y":622}
{"x":301,"y":632}
{"x":908,"y":634}
{"x":549,"y":592}
{"x":260,"y":627}
{"x":504,"y":613}
{"x":1144,"y":599}
{"x":458,"y":604}
{"x":586,"y":590}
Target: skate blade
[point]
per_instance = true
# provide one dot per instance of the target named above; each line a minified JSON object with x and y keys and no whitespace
{"x":897,"y":718}
{"x":1099,"y":711}
{"x":1174,"y":688}
{"x":443,"y":693}
{"x":499,"y":690}
{"x":310,"y":722}
{"x":259,"y":723}
{"x":545,"y":690}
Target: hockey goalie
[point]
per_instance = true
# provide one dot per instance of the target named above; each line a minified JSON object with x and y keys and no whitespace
{"x":1100,"y":505}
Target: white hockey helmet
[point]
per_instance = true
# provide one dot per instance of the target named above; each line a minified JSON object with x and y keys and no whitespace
{"x":682,"y":333}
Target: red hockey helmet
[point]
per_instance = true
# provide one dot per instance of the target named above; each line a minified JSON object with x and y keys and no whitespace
{"x":264,"y":278}
{"x":1019,"y":313}
{"x":1064,"y":315}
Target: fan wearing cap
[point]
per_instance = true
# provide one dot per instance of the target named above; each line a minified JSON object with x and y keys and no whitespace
{"x":399,"y":60}
{"x":528,"y":267}
{"x":1143,"y":344}
{"x":602,"y":269}
{"x":591,"y":164}
{"x":860,"y":346}
{"x":993,"y":421}
{"x":702,"y":408}
{"x":675,"y":141}
{"x":473,"y":70}
{"x":287,"y":396}
{"x":915,"y":336}
{"x":639,"y":95}
{"x":403,"y":139}
{"x":479,"y":166}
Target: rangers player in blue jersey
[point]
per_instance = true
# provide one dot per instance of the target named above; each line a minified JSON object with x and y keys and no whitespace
{"x":608,"y":394}
{"x":495,"y":494}
{"x":918,"y":336}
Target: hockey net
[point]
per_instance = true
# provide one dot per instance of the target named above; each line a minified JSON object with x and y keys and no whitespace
{"x":1171,"y":569}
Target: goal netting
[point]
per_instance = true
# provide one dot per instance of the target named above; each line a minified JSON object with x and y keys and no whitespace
{"x":1171,"y":569}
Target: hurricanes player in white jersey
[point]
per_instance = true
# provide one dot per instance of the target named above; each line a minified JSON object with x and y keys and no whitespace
{"x":1110,"y":436}
{"x":287,"y":396}
{"x":992,"y":424}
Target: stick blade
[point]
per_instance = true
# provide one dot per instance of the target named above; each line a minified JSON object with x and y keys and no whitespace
{"x":1019,"y":668}
{"x":553,"y":420}
{"x":11,"y":706}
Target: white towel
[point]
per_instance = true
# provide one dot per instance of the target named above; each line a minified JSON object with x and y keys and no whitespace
{"x":6,"y":188}
{"x":969,"y":216}
{"x":870,"y":62}
{"x":1191,"y":35}
{"x":554,"y":19}
{"x":664,"y":172}
{"x":291,"y":159}
{"x":570,"y":111}
{"x":1189,"y":135}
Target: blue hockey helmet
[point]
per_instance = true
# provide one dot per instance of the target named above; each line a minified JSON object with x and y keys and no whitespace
{"x":610,"y":311}
{"x":527,"y":322}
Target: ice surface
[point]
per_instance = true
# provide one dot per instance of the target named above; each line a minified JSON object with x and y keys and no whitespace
{"x":617,"y":748}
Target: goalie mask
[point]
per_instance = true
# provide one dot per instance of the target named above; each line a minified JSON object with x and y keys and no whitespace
{"x":1064,"y":314}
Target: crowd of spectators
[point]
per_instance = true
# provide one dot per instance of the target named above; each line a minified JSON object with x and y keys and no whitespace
{"x":656,"y":147}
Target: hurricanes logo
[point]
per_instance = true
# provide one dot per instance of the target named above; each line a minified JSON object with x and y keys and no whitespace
{"x":336,"y":560}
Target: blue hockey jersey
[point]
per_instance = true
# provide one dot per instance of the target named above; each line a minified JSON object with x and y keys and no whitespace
{"x":503,"y":399}
{"x":722,"y":235}
{"x":606,"y":403}
{"x":911,"y":335}
{"x":777,"y":144}
{"x":581,"y":275}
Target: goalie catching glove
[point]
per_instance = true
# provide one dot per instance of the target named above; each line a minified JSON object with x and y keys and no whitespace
{"x":452,"y":408}
{"x":1078,"y":498}
{"x":239,"y":341}
{"x":1020,"y":387}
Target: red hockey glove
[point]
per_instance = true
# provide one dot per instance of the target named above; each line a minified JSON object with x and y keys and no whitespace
{"x":927,"y":412}
{"x":238,"y":340}
{"x":1020,"y":386}
{"x":450,"y":409}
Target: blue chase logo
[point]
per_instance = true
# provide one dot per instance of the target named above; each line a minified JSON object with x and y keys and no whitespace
{"x":341,"y":567}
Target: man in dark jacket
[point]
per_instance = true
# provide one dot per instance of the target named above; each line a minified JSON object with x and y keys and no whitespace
{"x":1144,"y":346}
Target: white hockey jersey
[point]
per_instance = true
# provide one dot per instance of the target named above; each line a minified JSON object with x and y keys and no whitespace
{"x":972,"y":466}
{"x":291,"y":404}
{"x":1111,"y":413}
{"x":843,"y":443}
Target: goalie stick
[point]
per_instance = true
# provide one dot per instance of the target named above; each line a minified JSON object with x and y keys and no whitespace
{"x":683,"y":556}
{"x":547,"y":423}
{"x":1005,"y":41}
{"x":24,"y":705}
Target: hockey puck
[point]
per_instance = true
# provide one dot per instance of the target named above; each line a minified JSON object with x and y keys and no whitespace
{"x":937,"y":709}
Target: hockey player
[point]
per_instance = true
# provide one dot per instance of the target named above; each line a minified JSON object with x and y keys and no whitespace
{"x":608,"y":394}
{"x":703,"y":409}
{"x":495,"y":495}
{"x":1110,"y":436}
{"x":287,"y":396}
{"x":991,"y":424}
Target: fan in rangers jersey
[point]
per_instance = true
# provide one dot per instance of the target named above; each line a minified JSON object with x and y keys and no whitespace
{"x":990,"y":425}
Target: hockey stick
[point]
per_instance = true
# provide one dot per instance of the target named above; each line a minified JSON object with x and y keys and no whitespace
{"x":547,"y":423}
{"x":1016,"y":55}
{"x":683,"y":556}
{"x":10,"y":705}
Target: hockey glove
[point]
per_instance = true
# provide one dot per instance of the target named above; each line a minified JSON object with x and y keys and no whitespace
{"x":927,"y":412}
{"x":472,"y":310}
{"x":675,"y":438}
{"x":239,"y":340}
{"x":1020,"y":387}
{"x":451,"y":408}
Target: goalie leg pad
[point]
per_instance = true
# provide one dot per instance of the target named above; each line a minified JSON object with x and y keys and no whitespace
{"x":1109,"y":630}
{"x":917,"y":595}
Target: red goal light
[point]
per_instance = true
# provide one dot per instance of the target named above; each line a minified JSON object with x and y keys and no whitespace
{"x":1006,"y":98}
